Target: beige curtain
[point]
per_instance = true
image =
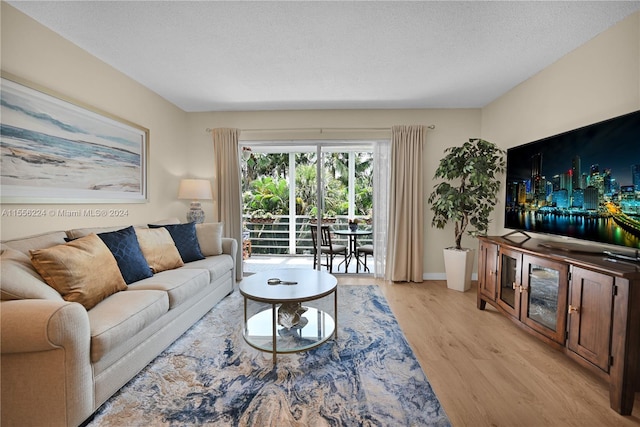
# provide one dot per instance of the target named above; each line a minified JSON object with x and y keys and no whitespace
{"x":405,"y":250}
{"x":228,"y":192}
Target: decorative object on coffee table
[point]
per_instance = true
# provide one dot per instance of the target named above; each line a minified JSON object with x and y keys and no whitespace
{"x":290,"y":314}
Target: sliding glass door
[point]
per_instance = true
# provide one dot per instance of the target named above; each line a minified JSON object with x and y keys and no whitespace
{"x":287,"y":186}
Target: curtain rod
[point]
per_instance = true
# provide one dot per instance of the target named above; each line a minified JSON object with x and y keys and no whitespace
{"x":320,"y":130}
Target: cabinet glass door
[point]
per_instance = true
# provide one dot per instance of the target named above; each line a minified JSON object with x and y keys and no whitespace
{"x":543,"y":295}
{"x":509,"y":292}
{"x":507,"y":280}
{"x":545,"y":284}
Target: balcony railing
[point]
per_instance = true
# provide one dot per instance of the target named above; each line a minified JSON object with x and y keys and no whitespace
{"x":274,"y":236}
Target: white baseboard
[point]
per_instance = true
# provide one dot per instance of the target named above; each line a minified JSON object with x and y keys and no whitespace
{"x":443,"y":276}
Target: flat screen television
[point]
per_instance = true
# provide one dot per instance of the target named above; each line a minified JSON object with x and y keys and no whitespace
{"x":583,"y":184}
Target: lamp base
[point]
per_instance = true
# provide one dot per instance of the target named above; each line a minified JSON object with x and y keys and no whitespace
{"x":195,"y":213}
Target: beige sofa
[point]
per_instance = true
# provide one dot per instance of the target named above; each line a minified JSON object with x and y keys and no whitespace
{"x":60,"y":360}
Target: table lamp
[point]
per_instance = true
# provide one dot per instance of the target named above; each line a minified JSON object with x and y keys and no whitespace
{"x":195,"y":190}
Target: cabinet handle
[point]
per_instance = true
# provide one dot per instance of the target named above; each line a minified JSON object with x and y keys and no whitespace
{"x":573,"y":309}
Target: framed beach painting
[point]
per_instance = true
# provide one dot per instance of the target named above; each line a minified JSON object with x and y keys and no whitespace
{"x":55,"y":150}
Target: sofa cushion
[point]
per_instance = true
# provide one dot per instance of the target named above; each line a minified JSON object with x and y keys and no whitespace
{"x":40,"y":241}
{"x":159,"y":249}
{"x":184,"y":236}
{"x":210,"y":238}
{"x":82,"y":271}
{"x":181,"y":284}
{"x":121,"y":316}
{"x":20,"y":280}
{"x":124,"y":246}
{"x":217,"y":266}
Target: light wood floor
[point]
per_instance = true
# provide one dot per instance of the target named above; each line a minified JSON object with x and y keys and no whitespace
{"x":488,"y":372}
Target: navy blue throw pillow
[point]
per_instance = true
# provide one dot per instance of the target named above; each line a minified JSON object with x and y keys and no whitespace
{"x":125,"y":248}
{"x":186,"y":240}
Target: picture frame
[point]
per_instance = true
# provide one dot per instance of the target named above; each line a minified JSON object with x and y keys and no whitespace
{"x":57,"y":150}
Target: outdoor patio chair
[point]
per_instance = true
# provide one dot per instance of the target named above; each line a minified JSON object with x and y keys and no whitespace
{"x":328,"y":248}
{"x":363,"y":250}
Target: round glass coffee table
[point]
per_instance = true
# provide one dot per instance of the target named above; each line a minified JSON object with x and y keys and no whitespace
{"x":282,"y":324}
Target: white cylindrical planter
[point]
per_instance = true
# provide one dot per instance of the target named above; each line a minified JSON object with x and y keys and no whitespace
{"x":458,"y":265}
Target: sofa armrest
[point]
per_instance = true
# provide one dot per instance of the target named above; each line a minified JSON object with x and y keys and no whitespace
{"x":32,"y":325}
{"x":46,"y":376}
{"x":230,"y":247}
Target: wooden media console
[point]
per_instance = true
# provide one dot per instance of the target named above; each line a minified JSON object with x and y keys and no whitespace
{"x":575,"y":298}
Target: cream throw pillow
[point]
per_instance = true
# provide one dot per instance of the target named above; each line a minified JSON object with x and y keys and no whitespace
{"x":210,"y":238}
{"x":81,"y":232}
{"x":166,"y":221}
{"x":83,"y":270}
{"x":159,"y":249}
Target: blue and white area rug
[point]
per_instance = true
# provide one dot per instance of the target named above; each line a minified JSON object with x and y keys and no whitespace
{"x":369,"y":376}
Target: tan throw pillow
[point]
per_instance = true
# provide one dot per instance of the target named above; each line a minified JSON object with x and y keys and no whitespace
{"x":210,"y":238}
{"x":19,"y":280}
{"x":83,"y":270}
{"x":159,"y":249}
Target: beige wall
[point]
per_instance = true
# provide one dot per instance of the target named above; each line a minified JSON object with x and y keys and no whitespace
{"x":597,"y":81}
{"x":34,"y":53}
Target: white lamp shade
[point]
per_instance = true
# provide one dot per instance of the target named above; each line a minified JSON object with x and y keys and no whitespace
{"x":195,"y":189}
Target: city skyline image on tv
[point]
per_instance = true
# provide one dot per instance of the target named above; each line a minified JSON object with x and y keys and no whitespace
{"x":584,"y":183}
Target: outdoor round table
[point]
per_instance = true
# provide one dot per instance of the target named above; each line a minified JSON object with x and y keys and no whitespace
{"x":270,"y":329}
{"x":353,"y":243}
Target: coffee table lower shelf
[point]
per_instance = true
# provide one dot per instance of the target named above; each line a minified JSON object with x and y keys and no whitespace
{"x":262,"y":331}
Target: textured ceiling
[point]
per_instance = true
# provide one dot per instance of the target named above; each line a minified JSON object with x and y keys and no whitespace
{"x":228,"y":56}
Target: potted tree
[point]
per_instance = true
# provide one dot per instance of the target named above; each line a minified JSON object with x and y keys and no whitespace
{"x":466,"y":198}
